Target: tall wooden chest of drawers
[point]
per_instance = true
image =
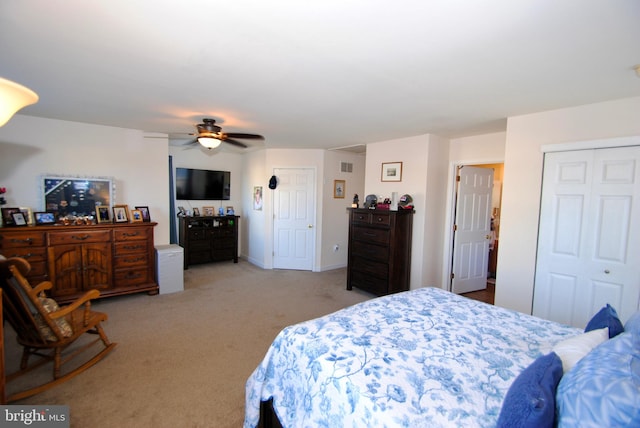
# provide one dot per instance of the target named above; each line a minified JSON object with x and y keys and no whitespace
{"x":379,"y":250}
{"x":113,"y":258}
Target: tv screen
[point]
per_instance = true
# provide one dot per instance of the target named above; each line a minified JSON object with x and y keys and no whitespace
{"x":202,"y":184}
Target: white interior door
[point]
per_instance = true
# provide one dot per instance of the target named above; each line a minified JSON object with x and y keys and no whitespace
{"x":294,"y":219}
{"x":589,"y":237}
{"x":472,"y":234}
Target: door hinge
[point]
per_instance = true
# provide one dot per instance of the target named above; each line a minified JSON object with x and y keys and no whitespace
{"x":453,"y":275}
{"x":457,"y":178}
{"x":455,"y":227}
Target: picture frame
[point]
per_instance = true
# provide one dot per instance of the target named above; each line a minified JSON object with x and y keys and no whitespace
{"x":18,"y":219}
{"x":76,"y":196}
{"x":196,"y":212}
{"x":120,"y":214}
{"x":136,"y":216}
{"x":28,"y":214}
{"x":44,"y":218}
{"x":230,"y":210}
{"x":339,"y":189}
{"x":391,"y":171}
{"x":181,"y":211}
{"x":146,"y":216}
{"x":208,"y":211}
{"x":103,"y":214}
{"x":7,"y":215}
{"x":257,"y":198}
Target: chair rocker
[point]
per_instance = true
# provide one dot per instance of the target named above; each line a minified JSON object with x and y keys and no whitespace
{"x":46,"y":330}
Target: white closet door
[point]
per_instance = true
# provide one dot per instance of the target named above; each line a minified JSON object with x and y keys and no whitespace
{"x":589,"y":237}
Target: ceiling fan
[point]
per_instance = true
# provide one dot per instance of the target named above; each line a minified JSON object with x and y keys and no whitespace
{"x":210,"y":135}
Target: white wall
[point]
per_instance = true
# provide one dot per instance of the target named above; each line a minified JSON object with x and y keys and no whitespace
{"x":418,"y":155}
{"x":523,"y":181}
{"x":31,"y":147}
{"x":253,"y":222}
{"x":335,"y":215}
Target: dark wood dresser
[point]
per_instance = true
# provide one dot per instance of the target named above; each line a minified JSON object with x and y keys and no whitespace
{"x":113,"y":258}
{"x":209,"y":239}
{"x":379,"y":250}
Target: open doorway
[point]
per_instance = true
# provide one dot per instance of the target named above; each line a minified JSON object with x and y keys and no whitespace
{"x":476,"y":260}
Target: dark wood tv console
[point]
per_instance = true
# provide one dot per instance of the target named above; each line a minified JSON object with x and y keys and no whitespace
{"x":209,"y":239}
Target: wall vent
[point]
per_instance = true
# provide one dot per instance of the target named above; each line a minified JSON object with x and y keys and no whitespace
{"x":346,"y":167}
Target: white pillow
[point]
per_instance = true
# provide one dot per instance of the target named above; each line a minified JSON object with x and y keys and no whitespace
{"x":573,"y":349}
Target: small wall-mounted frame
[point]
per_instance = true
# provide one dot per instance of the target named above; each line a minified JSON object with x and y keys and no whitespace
{"x":208,"y":211}
{"x":146,"y":215}
{"x":103,"y":214}
{"x":44,"y":218}
{"x":339,"y":189}
{"x":18,"y":219}
{"x":120,"y":214}
{"x":136,"y":216}
{"x":391,"y":171}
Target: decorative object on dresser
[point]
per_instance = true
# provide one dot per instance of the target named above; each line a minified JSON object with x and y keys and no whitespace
{"x":121,"y":214}
{"x":146,"y":215}
{"x":115,"y":259}
{"x":379,"y":259}
{"x":209,"y":239}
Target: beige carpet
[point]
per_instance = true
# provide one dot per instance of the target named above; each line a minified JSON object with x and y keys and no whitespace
{"x":182,"y":359}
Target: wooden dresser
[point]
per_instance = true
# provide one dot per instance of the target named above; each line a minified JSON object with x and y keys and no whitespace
{"x":379,"y":250}
{"x":209,"y":239}
{"x":115,"y":259}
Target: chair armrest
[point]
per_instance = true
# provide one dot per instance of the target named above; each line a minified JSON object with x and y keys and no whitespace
{"x":44,"y":285}
{"x":84,"y":299}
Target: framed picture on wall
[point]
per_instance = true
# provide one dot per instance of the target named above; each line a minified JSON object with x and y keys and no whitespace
{"x":392,"y":171}
{"x":338,"y":189}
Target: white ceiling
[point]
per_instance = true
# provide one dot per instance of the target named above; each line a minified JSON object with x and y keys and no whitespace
{"x":318,"y":73}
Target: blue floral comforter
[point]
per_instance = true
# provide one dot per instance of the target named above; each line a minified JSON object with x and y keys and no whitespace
{"x":422,"y":358}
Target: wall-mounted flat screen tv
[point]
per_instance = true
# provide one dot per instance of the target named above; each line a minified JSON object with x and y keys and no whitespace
{"x":203,"y":184}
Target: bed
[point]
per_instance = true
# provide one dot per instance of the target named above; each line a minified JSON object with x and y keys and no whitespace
{"x":421,"y":358}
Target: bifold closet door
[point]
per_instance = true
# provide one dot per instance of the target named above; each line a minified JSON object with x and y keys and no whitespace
{"x":589,"y":237}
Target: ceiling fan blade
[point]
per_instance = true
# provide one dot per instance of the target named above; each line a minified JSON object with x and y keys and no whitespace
{"x":246,"y":136}
{"x":235,"y":143}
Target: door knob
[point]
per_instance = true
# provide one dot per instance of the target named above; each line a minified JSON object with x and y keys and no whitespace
{"x":607,"y":271}
{"x":310,"y":226}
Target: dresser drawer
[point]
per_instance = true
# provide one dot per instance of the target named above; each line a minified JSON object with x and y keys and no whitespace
{"x":130,"y":247}
{"x":382,"y":219}
{"x":366,"y":249}
{"x":131,"y":260}
{"x":131,"y":234}
{"x":371,"y":284}
{"x":360,"y":218}
{"x":370,"y":267}
{"x":21,"y":240}
{"x":32,"y":255}
{"x":369,"y":234}
{"x":132,"y":277}
{"x":79,"y":237}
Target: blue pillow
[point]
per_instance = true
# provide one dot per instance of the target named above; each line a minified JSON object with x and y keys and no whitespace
{"x":606,"y":317}
{"x":530,"y":401}
{"x":602,"y":389}
{"x":633,"y":323}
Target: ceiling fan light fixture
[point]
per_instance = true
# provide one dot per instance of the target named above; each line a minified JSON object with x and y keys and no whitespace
{"x":13,"y":97}
{"x":209,"y":142}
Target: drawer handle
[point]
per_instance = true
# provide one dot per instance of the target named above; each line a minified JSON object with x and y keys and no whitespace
{"x":79,"y":238}
{"x":135,"y":260}
{"x":26,"y":240}
{"x":132,"y":247}
{"x":24,"y":256}
{"x":369,"y":234}
{"x":360,"y":217}
{"x":380,"y":219}
{"x":133,"y":275}
{"x":130,"y":234}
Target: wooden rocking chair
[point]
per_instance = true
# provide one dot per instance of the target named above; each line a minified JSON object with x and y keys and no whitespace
{"x":46,"y":330}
